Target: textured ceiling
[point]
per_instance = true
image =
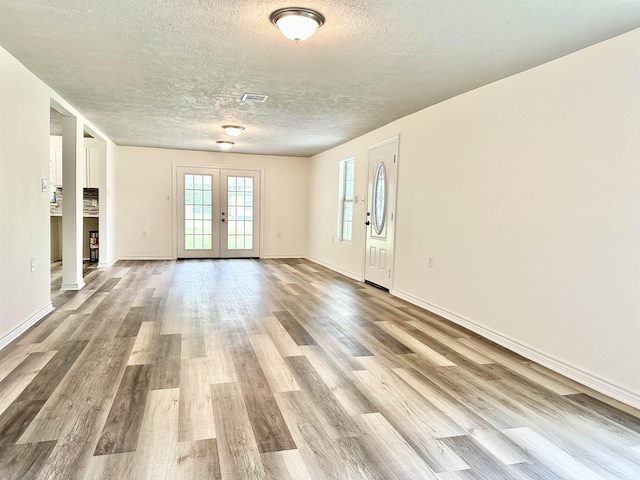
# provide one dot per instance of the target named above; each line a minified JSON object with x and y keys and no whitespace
{"x":55,"y":124}
{"x":169,"y":73}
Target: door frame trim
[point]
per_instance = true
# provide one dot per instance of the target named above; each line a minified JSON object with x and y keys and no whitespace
{"x":388,"y":141}
{"x":175,"y":204}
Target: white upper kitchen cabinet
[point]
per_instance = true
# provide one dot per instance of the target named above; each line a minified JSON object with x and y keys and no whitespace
{"x":91,"y":177}
{"x":92,"y":167}
{"x":55,"y":157}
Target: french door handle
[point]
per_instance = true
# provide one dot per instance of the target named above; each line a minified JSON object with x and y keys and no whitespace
{"x":223,"y":220}
{"x":367,"y":223}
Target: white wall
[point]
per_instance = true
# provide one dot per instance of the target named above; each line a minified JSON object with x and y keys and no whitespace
{"x":25,"y":101}
{"x":145,"y":191}
{"x":24,"y":208}
{"x":527,"y":194}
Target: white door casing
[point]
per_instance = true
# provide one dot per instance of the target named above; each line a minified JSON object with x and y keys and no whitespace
{"x":380,"y":221}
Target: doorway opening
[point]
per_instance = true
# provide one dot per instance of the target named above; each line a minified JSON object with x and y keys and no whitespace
{"x":218,"y":213}
{"x":380,"y":221}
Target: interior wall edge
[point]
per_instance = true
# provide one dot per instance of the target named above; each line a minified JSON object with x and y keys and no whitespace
{"x":591,"y":380}
{"x":23,"y":326}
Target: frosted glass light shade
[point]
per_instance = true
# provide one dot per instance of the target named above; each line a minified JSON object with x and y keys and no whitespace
{"x":297,"y":24}
{"x":233,"y":130}
{"x":224,"y":145}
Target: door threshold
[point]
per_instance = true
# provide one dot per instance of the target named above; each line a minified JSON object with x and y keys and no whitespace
{"x":376,"y":285}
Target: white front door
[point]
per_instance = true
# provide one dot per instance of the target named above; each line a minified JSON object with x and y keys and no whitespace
{"x":218,"y":213}
{"x":383,"y":163}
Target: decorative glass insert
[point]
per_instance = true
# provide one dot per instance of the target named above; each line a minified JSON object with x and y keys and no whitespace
{"x":347,"y":187}
{"x":240,"y":214}
{"x":197,"y":212}
{"x":379,"y":200}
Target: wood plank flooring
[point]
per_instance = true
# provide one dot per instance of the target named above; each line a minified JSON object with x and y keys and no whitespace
{"x":282,"y":369}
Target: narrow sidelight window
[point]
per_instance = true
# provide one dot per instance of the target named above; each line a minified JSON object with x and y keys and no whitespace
{"x":347,"y":181}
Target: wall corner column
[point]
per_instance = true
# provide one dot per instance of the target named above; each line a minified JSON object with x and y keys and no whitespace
{"x":72,"y":174}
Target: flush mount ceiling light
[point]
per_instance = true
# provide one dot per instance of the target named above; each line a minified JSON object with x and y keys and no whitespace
{"x":233,"y":130}
{"x":297,"y":23}
{"x":224,"y":145}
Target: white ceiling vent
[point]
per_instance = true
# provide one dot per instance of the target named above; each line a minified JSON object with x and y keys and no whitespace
{"x":254,"y":98}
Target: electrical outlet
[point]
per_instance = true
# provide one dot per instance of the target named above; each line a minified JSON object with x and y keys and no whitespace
{"x":33,"y":264}
{"x":431,"y":262}
{"x":43,"y":185}
{"x":279,"y":235}
{"x":144,"y":233}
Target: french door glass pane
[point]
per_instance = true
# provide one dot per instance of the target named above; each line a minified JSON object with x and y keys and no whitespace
{"x":240,"y":210}
{"x":197,"y":212}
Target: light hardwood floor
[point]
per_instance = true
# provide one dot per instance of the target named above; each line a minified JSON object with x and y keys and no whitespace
{"x":282,"y":369}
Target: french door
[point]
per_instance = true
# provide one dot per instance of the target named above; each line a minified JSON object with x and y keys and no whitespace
{"x":383,"y":164}
{"x":218,"y":213}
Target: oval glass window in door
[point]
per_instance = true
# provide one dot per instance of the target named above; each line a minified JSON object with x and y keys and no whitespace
{"x":379,"y":199}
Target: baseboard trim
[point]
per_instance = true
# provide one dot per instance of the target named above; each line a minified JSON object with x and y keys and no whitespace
{"x":276,"y":257}
{"x":346,"y":273}
{"x":145,"y":258}
{"x":586,"y":378}
{"x":22,"y":327}
{"x":72,"y":286}
{"x":108,"y":263}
